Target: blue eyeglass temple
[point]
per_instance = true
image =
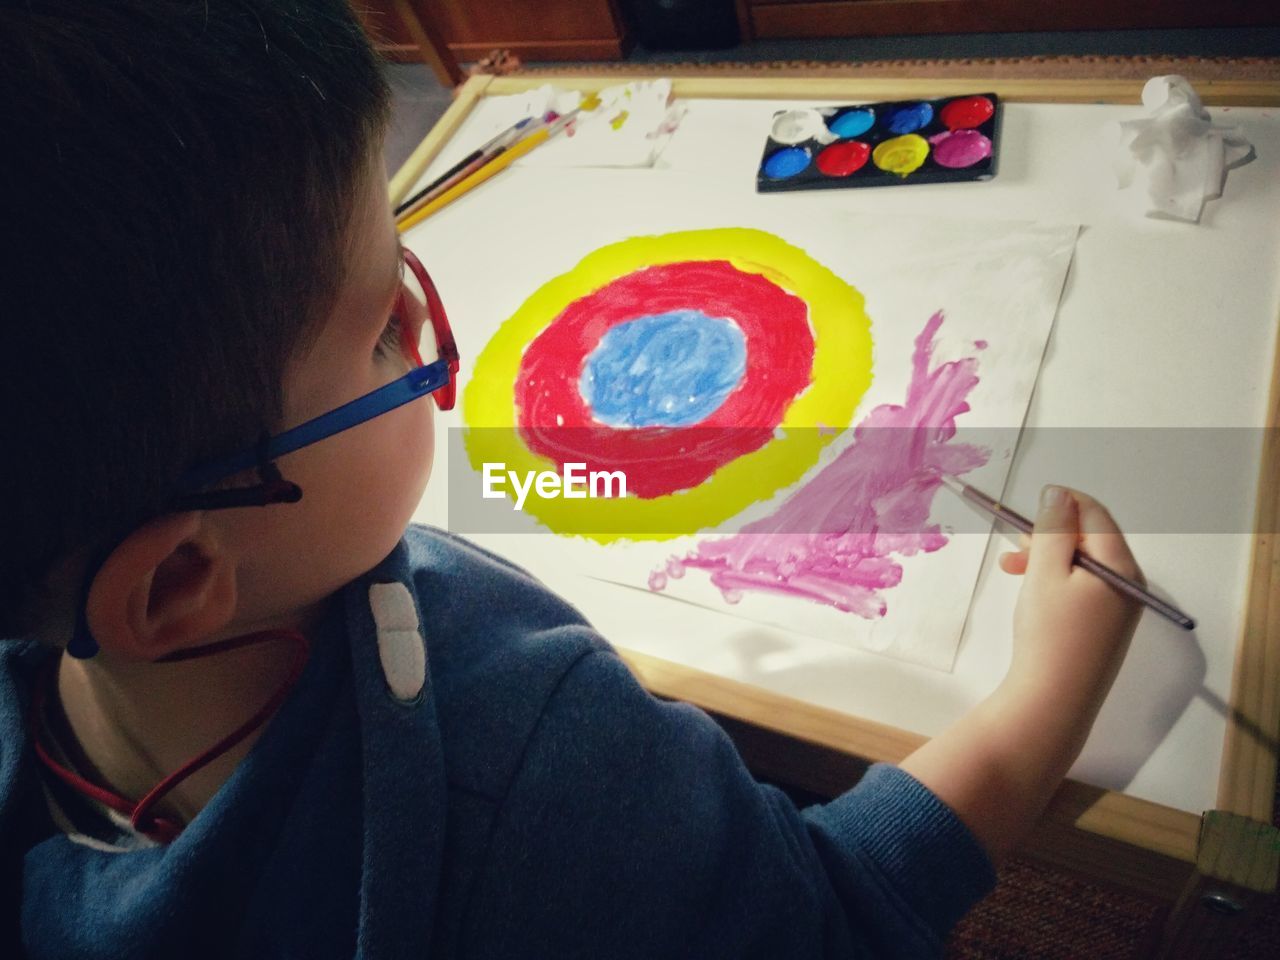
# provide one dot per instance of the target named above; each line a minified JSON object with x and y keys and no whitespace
{"x":417,"y":383}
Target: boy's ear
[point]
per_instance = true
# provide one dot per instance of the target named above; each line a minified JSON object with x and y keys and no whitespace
{"x":168,"y":585}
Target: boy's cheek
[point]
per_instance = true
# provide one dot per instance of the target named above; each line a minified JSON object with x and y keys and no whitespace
{"x":412,"y":450}
{"x":383,"y":481}
{"x":360,"y":490}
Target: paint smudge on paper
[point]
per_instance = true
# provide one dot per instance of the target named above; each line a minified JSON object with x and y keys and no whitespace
{"x":833,"y":541}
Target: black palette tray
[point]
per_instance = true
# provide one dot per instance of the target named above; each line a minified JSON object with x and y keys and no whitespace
{"x":947,"y":140}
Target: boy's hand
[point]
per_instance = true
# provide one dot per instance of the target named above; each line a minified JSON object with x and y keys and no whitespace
{"x":998,"y":765}
{"x":1071,"y":630}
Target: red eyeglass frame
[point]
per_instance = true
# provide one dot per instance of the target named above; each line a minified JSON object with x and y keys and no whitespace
{"x":446,"y":348}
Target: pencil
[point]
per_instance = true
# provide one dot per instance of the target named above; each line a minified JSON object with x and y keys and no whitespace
{"x":1121,"y":583}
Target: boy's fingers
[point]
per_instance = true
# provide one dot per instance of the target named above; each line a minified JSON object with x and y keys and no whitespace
{"x":1094,"y":517}
{"x":1101,"y":538}
{"x":1014,"y":562}
{"x":1056,"y":533}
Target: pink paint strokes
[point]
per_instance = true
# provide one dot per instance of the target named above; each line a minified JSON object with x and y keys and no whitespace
{"x":834,"y":539}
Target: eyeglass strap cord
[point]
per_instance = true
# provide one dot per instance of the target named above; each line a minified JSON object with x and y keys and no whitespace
{"x":141,"y":812}
{"x":273,"y":488}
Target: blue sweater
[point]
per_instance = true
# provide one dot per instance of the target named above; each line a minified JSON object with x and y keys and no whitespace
{"x":531,"y":800}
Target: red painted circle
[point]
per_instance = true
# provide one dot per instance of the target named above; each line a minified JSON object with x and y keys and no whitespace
{"x":842,"y":159}
{"x":967,"y":112}
{"x":555,"y":422}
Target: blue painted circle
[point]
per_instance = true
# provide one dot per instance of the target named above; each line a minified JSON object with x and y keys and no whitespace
{"x":910,"y":119}
{"x":786,"y":163}
{"x":665,"y":370}
{"x":853,"y":123}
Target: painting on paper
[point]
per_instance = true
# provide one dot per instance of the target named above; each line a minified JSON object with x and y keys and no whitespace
{"x":783,"y":404}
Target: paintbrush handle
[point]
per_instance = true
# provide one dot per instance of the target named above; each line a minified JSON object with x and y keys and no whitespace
{"x":481,"y":154}
{"x":497,"y":165}
{"x":440,"y":181}
{"x":476,"y":164}
{"x":1121,"y":583}
{"x":1131,"y":589}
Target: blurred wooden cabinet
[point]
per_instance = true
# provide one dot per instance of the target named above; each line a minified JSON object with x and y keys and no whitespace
{"x":401,"y":33}
{"x":387,"y":28}
{"x":597,"y":30}
{"x":763,"y":19}
{"x":531,"y":29}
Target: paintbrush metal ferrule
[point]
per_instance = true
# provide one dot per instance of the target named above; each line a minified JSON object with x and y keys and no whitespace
{"x":990,"y":504}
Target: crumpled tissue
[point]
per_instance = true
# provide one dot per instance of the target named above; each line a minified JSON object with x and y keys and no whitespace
{"x":1176,"y":155}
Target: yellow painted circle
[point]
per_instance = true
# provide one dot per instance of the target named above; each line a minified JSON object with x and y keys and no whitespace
{"x":840,"y":376}
{"x":901,"y":155}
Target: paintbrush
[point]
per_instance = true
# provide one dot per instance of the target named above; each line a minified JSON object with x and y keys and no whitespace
{"x":472,"y":162}
{"x":1121,"y":583}
{"x":497,"y":164}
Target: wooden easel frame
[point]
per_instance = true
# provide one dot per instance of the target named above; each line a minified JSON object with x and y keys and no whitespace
{"x":1211,"y":868}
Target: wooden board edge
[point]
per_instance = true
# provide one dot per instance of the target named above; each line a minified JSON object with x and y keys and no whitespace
{"x":1242,"y":93}
{"x":1115,"y":816}
{"x":1247,"y":776}
{"x":466,"y":98}
{"x":851,"y":736}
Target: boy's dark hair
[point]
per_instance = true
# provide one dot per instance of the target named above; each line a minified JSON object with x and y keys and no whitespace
{"x":176,"y":182}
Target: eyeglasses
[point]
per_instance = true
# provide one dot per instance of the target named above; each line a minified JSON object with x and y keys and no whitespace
{"x":434,"y":361}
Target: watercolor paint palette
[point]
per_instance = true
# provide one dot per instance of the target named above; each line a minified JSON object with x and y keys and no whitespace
{"x":949,"y":140}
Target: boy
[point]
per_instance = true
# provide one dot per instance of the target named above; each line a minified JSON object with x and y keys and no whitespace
{"x":243,"y":712}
